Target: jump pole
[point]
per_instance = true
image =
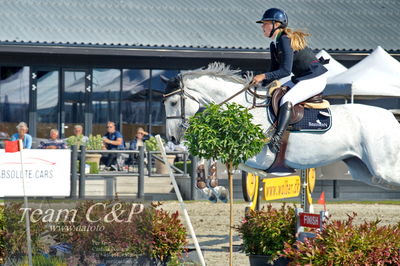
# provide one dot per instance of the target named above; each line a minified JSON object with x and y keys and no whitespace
{"x":27,"y":224}
{"x":181,"y":203}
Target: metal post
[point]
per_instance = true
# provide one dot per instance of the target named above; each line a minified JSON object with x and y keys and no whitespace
{"x":185,"y":162}
{"x":193,"y":175}
{"x":74,"y":158}
{"x":140,"y":190}
{"x":304,"y":202}
{"x":299,"y":228}
{"x":149,"y":163}
{"x":110,"y":187}
{"x":335,"y":189}
{"x":82,"y":178}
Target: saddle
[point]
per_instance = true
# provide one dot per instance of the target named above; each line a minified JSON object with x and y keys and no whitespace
{"x":315,"y":102}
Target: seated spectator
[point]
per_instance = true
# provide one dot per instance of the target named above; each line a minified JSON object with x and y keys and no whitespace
{"x":113,"y":140}
{"x":78,"y":131}
{"x":139,"y":140}
{"x":22,"y":134}
{"x":3,"y":136}
{"x":53,"y":142}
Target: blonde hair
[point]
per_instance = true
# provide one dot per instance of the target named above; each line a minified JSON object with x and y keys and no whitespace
{"x":297,"y":38}
{"x":22,"y":125}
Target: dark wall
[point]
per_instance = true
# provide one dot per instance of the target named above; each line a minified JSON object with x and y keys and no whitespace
{"x":113,"y":61}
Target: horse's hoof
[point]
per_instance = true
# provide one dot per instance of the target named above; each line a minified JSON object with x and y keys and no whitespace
{"x":212,"y":183}
{"x":212,"y":198}
{"x":221,"y":193}
{"x":201,"y":185}
{"x":223,"y":196}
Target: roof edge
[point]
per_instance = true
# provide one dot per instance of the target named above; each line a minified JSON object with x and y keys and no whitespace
{"x":146,"y":51}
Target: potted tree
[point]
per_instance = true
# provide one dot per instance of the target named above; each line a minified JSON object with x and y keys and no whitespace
{"x":225,"y":133}
{"x":265,"y":232}
{"x":161,"y":168}
{"x":94,"y":143}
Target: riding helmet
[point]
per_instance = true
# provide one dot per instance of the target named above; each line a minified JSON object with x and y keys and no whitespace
{"x":275,"y":14}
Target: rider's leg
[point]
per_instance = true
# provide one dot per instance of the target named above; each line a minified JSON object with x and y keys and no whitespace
{"x":304,"y":90}
{"x":283,"y":122}
{"x":298,"y":93}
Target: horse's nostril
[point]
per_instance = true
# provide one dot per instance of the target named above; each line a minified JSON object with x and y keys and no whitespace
{"x":174,"y":141}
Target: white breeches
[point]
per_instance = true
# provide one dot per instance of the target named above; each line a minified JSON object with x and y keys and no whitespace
{"x":304,"y":89}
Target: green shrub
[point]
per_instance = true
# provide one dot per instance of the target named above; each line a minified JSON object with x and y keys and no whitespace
{"x":15,"y":233}
{"x":94,"y":142}
{"x":169,"y":235}
{"x":40,"y":260}
{"x":265,"y":232}
{"x":94,"y":168}
{"x":152,"y":144}
{"x":154,"y":233}
{"x":343,"y":243}
{"x":180,"y":166}
{"x":75,"y":140}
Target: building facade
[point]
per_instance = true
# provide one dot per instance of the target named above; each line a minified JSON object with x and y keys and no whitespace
{"x":71,"y":62}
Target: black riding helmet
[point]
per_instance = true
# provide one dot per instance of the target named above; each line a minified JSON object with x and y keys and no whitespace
{"x":275,"y":14}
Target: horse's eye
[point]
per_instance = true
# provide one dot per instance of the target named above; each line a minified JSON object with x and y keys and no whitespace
{"x":173,"y":103}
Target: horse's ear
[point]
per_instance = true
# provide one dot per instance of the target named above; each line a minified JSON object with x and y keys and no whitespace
{"x":164,"y":79}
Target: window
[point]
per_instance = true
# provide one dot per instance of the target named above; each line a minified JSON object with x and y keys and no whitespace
{"x":105,"y":98}
{"x":14,"y":98}
{"x":135,"y":91}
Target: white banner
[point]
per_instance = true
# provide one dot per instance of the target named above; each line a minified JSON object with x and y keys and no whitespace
{"x":47,"y":173}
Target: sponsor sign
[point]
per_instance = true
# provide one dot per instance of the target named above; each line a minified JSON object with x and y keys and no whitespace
{"x":310,"y":220}
{"x":281,"y":187}
{"x":47,"y":173}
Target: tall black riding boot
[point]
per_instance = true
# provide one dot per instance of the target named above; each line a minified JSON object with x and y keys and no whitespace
{"x":285,"y":112}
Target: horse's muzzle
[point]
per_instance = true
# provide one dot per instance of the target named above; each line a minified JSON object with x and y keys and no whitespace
{"x":174,"y":140}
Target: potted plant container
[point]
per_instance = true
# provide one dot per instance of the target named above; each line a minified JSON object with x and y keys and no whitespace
{"x":161,"y":168}
{"x":264,"y":233}
{"x":94,"y":143}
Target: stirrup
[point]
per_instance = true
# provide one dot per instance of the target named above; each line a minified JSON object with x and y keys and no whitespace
{"x":275,"y":144}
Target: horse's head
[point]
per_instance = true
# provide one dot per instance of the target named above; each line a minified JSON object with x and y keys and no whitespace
{"x":187,"y":93}
{"x":179,"y":106}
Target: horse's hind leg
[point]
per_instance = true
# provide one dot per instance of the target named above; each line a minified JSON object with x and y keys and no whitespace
{"x":201,"y":176}
{"x":358,"y":170}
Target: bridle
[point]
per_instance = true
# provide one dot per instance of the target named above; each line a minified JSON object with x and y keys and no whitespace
{"x":184,"y":94}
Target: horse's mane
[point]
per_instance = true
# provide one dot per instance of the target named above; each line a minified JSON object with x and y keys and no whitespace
{"x":219,"y":69}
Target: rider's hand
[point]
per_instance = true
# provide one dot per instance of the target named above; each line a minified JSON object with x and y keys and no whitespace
{"x":258,"y":78}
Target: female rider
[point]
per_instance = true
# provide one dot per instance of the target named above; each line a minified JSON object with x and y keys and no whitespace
{"x":289,"y":53}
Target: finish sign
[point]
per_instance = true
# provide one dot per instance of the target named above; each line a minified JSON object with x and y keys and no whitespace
{"x":310,"y":220}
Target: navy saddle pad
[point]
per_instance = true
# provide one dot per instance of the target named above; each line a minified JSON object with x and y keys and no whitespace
{"x":314,"y":120}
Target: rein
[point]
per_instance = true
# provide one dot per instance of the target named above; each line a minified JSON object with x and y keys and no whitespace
{"x":185,"y":95}
{"x":252,"y":92}
{"x":247,"y":87}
